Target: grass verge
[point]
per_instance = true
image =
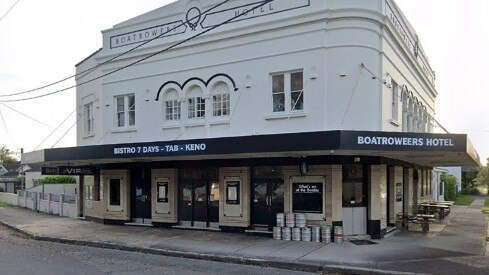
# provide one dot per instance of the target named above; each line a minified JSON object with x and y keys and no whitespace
{"x":464,"y":200}
{"x":485,"y":208}
{"x":4,"y":204}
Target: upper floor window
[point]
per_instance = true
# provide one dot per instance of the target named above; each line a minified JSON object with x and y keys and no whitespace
{"x":89,"y":119}
{"x":196,"y":107}
{"x":195,"y":102}
{"x":288,"y":91}
{"x":173,"y":106}
{"x":221,"y":100}
{"x":395,"y":101}
{"x":125,"y":110}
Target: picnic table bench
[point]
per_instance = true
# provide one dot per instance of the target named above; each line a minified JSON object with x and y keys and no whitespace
{"x":424,"y":219}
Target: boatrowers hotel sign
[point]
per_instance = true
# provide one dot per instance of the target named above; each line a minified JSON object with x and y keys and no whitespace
{"x":197,"y":19}
{"x":408,"y":142}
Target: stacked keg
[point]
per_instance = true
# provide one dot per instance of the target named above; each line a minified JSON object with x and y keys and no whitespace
{"x":286,"y":234}
{"x":326,"y":234}
{"x":338,"y":234}
{"x":293,"y":226}
{"x":316,"y":234}
{"x":296,"y":234}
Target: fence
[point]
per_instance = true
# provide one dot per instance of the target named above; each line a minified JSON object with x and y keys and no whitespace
{"x":9,"y":198}
{"x":56,"y":204}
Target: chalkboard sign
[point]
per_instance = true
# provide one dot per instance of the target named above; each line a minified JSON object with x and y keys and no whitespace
{"x":307,"y":197}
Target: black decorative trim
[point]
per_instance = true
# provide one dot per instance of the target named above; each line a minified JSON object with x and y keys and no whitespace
{"x":232,"y":229}
{"x":163,"y":224}
{"x":206,"y":83}
{"x":373,"y":229}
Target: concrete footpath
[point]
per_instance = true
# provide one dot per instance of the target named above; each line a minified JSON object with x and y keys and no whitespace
{"x":456,"y":245}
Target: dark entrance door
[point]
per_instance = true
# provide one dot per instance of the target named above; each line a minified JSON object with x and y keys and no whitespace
{"x":267,"y":201}
{"x":199,"y":197}
{"x":141,"y":194}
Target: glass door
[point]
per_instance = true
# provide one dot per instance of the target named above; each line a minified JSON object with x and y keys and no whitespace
{"x":185,"y":205}
{"x":200,"y":201}
{"x":213,"y":202}
{"x":268,"y":200}
{"x":141,"y":194}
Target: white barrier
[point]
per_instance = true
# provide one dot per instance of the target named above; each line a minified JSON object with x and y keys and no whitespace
{"x":9,"y":198}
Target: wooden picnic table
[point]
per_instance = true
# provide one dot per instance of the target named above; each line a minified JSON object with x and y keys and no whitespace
{"x":425,"y":221}
{"x":436,"y":207}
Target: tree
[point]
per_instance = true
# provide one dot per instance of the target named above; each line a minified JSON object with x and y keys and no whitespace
{"x":7,"y":156}
{"x":483,"y":176}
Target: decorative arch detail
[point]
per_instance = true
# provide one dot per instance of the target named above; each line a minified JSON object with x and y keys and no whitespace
{"x":206,"y":83}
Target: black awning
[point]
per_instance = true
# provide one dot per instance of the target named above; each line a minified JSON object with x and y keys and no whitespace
{"x":436,"y":149}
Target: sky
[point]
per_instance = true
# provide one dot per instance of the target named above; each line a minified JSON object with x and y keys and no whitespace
{"x":41,"y":41}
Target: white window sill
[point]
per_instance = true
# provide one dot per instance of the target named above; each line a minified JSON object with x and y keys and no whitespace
{"x":284,"y":115}
{"x":88,"y":136}
{"x":220,"y":121}
{"x":123,"y":130}
{"x":395,"y":122}
{"x":195,"y":124}
{"x":171,"y":125}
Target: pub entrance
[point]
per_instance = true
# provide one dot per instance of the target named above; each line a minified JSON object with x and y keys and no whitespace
{"x":141,"y":194}
{"x":198,"y":193}
{"x":267,"y":197}
{"x":354,"y":199}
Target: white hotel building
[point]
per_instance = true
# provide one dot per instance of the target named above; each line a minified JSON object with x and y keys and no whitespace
{"x":312,"y":106}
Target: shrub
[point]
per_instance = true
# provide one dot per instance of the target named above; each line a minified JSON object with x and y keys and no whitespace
{"x":470,"y":191}
{"x":58,"y":180}
{"x":450,"y":187}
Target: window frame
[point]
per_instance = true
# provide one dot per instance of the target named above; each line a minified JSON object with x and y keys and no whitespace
{"x":395,"y":101}
{"x":173,"y":112}
{"x":287,"y":92}
{"x":128,"y":113}
{"x":88,"y":127}
{"x":196,"y":110}
{"x":111,"y":192}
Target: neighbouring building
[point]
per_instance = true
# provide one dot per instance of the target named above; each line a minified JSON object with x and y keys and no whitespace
{"x":319,"y":107}
{"x":10,"y":181}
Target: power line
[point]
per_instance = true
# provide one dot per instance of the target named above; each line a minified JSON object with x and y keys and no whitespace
{"x":6,"y":130}
{"x":144,"y":58}
{"x":55,"y":130}
{"x":29,"y":117}
{"x":353,"y":91}
{"x":76,"y":121}
{"x":9,"y":10}
{"x":89,"y":70}
{"x":385,"y":84}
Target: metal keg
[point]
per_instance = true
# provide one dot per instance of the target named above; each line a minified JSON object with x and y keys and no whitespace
{"x":277,"y":233}
{"x":300,"y":220}
{"x":286,"y":234}
{"x":316,"y":234}
{"x":306,"y":234}
{"x":338,"y":234}
{"x":296,"y":234}
{"x":326,"y":234}
{"x":280,"y":219}
{"x":290,"y":220}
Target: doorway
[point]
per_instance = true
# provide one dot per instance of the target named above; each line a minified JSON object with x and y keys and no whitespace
{"x":199,"y":197}
{"x":354,"y":200}
{"x":267,"y":201}
{"x":141,"y":195}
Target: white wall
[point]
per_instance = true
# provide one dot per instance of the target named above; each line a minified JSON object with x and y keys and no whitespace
{"x":9,"y":198}
{"x":328,"y":46}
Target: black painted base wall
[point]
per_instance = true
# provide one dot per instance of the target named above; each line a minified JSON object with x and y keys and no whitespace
{"x":105,"y":221}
